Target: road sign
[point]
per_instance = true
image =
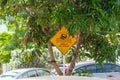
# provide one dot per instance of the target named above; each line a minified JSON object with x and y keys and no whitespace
{"x":62,"y":40}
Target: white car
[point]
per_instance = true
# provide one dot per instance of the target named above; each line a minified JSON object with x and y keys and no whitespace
{"x":24,"y":73}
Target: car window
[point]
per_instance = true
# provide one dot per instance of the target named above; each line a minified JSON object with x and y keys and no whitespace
{"x":25,"y":75}
{"x":115,"y":68}
{"x":91,"y":68}
{"x":28,"y":74}
{"x":99,"y":68}
{"x":42,"y":73}
{"x":80,"y":69}
{"x":108,"y":67}
{"x":32,"y":73}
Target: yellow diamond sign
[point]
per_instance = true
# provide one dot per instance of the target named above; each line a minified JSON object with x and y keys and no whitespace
{"x":62,"y":40}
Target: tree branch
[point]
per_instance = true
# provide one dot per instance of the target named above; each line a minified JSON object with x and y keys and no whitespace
{"x":75,"y":54}
{"x":53,"y":62}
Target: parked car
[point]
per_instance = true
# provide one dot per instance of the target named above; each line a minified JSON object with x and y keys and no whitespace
{"x":24,"y":73}
{"x":97,"y":70}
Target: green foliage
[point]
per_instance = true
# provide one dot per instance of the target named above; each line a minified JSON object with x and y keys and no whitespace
{"x":4,"y":57}
{"x":100,"y":48}
{"x":30,"y":55}
{"x":36,"y":21}
{"x":82,"y":72}
{"x":118,"y":49}
{"x":4,"y":38}
{"x":13,"y":42}
{"x":4,"y":54}
{"x":29,"y":58}
{"x":3,"y":3}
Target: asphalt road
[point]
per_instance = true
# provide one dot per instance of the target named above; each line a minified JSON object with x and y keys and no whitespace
{"x":65,"y":78}
{"x":112,"y":78}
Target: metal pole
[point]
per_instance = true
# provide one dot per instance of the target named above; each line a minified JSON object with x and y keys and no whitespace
{"x":63,"y":65}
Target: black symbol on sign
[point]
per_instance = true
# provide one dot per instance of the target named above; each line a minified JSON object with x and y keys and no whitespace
{"x":63,"y":36}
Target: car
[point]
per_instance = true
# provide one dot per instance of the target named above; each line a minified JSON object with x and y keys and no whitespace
{"x":24,"y":73}
{"x":96,"y":70}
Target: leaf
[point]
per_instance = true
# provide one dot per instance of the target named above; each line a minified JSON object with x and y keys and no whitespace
{"x":32,"y":2}
{"x":3,"y":3}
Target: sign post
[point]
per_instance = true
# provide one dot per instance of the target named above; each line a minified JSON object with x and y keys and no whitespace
{"x":63,"y":41}
{"x":63,"y":65}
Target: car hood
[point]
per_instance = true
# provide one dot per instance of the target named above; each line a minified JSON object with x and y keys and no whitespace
{"x":6,"y":79}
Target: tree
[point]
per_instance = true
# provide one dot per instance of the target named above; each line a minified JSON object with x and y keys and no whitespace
{"x":4,"y":38}
{"x":95,"y":22}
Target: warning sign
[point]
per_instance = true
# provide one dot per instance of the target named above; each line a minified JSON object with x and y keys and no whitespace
{"x":62,"y":40}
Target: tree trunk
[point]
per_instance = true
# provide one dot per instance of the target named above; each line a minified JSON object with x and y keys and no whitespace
{"x":53,"y":62}
{"x":75,"y":54}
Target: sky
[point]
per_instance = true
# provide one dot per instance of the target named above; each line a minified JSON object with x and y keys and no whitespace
{"x":3,"y":28}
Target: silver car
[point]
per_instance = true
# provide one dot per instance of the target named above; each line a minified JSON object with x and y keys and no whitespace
{"x":97,"y":70}
{"x":24,"y":73}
